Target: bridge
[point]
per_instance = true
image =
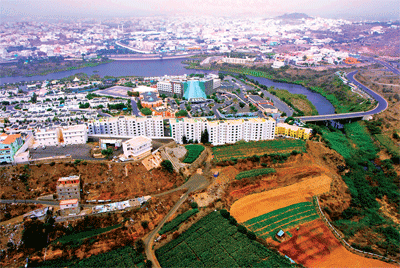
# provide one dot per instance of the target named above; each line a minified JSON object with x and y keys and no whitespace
{"x":131,"y":48}
{"x":382,"y":105}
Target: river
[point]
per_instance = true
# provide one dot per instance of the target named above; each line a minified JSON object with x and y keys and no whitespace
{"x":117,"y":68}
{"x":168,"y":67}
{"x":322,"y":105}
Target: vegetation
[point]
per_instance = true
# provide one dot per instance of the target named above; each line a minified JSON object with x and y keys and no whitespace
{"x":146,"y":111}
{"x":259,"y":148}
{"x":298,"y":102}
{"x":368,"y":180}
{"x":193,"y":152}
{"x":215,"y":242}
{"x":83,"y":235}
{"x":174,"y":224}
{"x":390,"y":146}
{"x":269,"y":224}
{"x":123,"y":257}
{"x":254,"y":173}
{"x":181,"y":113}
{"x":167,"y":165}
{"x":107,"y":152}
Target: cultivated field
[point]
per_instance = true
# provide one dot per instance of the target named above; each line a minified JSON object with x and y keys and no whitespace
{"x":269,"y":224}
{"x":247,"y":149}
{"x":214,"y":242}
{"x":313,"y":245}
{"x":258,"y":204}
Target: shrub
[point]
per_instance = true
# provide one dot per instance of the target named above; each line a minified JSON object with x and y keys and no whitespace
{"x":167,"y":165}
{"x":52,"y":164}
{"x":194,"y":150}
{"x":194,"y":205}
{"x":254,"y":173}
{"x":242,"y":229}
{"x":224,"y":213}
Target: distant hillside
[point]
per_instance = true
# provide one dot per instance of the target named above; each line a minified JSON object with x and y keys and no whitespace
{"x":293,"y":16}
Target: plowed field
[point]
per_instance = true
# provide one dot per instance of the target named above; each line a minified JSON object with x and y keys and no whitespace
{"x":255,"y":205}
{"x":313,"y":245}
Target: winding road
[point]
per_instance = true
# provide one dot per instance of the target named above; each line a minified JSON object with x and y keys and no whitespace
{"x":195,"y":183}
{"x":382,"y":105}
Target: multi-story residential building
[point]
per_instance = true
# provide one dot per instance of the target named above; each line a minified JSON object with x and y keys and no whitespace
{"x":53,"y":136}
{"x":68,"y":188}
{"x":170,"y":88}
{"x":223,"y":131}
{"x":137,"y":147}
{"x":293,"y":131}
{"x":69,"y":206}
{"x":151,"y":126}
{"x":9,"y":145}
{"x":238,"y":60}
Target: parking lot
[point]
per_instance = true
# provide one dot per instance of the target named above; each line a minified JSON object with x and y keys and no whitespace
{"x":76,"y":151}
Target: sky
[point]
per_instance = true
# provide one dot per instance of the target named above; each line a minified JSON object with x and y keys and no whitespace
{"x":347,"y":9}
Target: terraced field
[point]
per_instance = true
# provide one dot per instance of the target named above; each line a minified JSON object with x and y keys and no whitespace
{"x":247,"y":149}
{"x":267,"y":225}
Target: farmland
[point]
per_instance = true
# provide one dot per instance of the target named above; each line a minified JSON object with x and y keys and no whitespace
{"x":123,"y":257}
{"x":215,"y":242}
{"x":269,"y":224}
{"x":258,"y":204}
{"x":174,"y":224}
{"x":313,"y":245}
{"x":83,"y":235}
{"x":260,"y":148}
{"x":194,"y":150}
{"x":254,"y":173}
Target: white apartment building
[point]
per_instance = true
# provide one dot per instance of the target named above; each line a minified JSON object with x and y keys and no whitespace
{"x":170,"y":87}
{"x":151,"y":126}
{"x":137,"y":147}
{"x":223,"y":131}
{"x":61,"y":135}
{"x":238,"y":60}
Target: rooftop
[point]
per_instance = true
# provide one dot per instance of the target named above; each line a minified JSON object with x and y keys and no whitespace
{"x":68,"y":202}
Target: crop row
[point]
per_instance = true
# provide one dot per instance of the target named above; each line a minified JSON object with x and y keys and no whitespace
{"x":214,"y":242}
{"x":123,"y":257}
{"x":174,"y":224}
{"x":254,"y":173}
{"x":83,"y":235}
{"x":277,"y":212}
{"x":194,"y":150}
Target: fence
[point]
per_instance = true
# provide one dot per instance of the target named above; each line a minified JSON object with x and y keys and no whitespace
{"x":344,"y":242}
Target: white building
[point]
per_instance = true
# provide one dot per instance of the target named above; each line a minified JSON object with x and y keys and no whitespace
{"x":223,"y":131}
{"x":151,"y":126}
{"x":238,"y":60}
{"x":137,"y":147}
{"x":170,"y":87}
{"x":61,"y":135}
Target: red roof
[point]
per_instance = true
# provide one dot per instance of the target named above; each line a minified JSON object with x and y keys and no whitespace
{"x":11,"y":138}
{"x":68,"y":202}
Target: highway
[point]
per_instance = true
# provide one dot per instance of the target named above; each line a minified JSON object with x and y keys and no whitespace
{"x":382,"y":105}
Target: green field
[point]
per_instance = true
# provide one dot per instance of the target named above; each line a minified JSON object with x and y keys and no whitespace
{"x":83,"y":235}
{"x":291,"y":99}
{"x":174,"y":224}
{"x":269,"y":224}
{"x":390,"y":146}
{"x":214,"y":242}
{"x":260,"y":148}
{"x":254,"y":173}
{"x":194,"y":150}
{"x":123,"y":257}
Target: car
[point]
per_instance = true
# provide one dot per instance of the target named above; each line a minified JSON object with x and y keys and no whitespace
{"x":34,"y":148}
{"x":43,"y":147}
{"x":63,"y":145}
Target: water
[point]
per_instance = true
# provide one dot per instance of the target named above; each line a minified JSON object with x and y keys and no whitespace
{"x":117,"y":68}
{"x":322,"y":105}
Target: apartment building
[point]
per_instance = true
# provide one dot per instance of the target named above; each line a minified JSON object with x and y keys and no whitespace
{"x":151,"y":126}
{"x":238,"y":60}
{"x":52,"y":136}
{"x":170,"y":88}
{"x":68,"y":188}
{"x":137,"y":147}
{"x":223,"y":131}
{"x":9,"y":145}
{"x":284,"y":129}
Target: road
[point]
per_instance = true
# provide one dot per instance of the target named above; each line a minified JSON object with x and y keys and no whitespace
{"x":384,"y":63}
{"x":382,"y":105}
{"x":196,"y":182}
{"x":135,"y":109}
{"x":33,"y":201}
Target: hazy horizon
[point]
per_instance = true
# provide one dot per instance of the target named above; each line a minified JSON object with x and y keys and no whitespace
{"x":346,"y":9}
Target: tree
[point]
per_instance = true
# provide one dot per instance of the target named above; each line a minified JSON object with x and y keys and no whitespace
{"x":146,"y":111}
{"x":139,"y":245}
{"x":184,"y":140}
{"x":224,"y":213}
{"x":145,"y":224}
{"x":167,"y":165}
{"x":34,"y":98}
{"x":194,"y":205}
{"x":181,"y":113}
{"x":204,"y":137}
{"x":242,"y":104}
{"x":107,"y":152}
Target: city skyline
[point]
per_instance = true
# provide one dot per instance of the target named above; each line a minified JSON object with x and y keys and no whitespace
{"x":370,"y":9}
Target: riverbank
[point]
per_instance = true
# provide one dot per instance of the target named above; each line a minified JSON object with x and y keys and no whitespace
{"x":38,"y":69}
{"x":298,"y":102}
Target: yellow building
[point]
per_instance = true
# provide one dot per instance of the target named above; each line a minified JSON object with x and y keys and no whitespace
{"x":283,"y":129}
